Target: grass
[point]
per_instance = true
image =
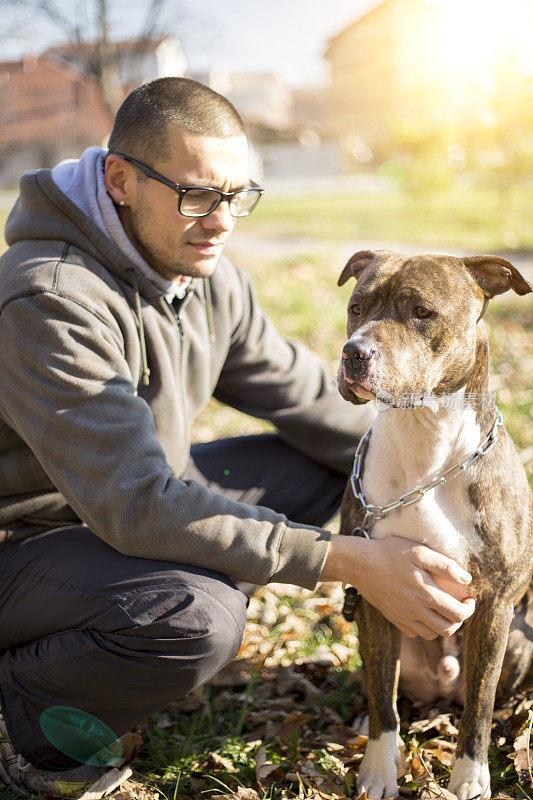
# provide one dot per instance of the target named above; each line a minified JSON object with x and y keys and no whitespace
{"x":471,"y":218}
{"x":277,"y":720}
{"x":464,"y":216}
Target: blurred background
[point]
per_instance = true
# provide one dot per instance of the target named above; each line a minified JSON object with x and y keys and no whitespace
{"x":404,"y":124}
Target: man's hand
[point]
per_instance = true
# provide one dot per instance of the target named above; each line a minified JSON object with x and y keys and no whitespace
{"x":421,"y":591}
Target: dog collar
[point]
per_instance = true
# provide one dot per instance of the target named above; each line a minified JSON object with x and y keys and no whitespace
{"x":373,"y":512}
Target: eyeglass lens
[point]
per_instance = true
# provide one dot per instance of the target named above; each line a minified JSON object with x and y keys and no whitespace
{"x":198,"y":202}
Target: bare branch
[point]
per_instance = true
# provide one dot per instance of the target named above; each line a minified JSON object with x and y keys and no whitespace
{"x":151,"y":18}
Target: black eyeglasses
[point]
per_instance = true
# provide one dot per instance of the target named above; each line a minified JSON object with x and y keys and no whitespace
{"x":199,"y":201}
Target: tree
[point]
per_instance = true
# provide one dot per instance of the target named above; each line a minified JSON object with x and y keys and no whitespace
{"x":88,"y":26}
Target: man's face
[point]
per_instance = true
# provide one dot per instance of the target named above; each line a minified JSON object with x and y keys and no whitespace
{"x":169,"y":242}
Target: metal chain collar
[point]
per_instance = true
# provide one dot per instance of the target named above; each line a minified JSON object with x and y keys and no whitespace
{"x":373,"y":512}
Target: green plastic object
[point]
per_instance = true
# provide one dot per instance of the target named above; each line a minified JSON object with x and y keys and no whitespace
{"x":81,"y":736}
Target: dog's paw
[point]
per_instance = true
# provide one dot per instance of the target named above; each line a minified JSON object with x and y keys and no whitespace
{"x":378,"y":772}
{"x":470,"y":778}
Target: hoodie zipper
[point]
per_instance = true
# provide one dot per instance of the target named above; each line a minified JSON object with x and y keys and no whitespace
{"x":176,"y":315}
{"x":176,"y":312}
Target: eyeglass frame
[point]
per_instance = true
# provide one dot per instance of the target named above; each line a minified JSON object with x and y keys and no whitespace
{"x":182,"y":190}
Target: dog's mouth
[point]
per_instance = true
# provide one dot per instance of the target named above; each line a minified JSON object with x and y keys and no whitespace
{"x":361,"y":387}
{"x":368,"y":388}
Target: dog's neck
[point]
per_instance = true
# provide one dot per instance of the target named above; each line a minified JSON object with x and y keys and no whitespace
{"x":421,"y":443}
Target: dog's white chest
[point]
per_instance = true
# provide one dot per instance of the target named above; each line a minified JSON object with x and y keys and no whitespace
{"x":403,"y":457}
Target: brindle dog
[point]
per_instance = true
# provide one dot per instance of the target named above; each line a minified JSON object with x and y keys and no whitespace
{"x":417,"y":342}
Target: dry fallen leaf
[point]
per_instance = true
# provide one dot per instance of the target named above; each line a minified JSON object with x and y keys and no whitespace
{"x":309,"y":689}
{"x":335,"y":746}
{"x":240,"y":794}
{"x":110,"y":781}
{"x":136,"y":790}
{"x":295,"y":720}
{"x":523,"y":756}
{"x":435,"y":792}
{"x":265,"y":771}
{"x":361,"y":723}
{"x":441,"y":723}
{"x":358,"y":743}
{"x":404,"y":766}
{"x":216,"y":761}
{"x":420,"y":772}
{"x":440,"y":749}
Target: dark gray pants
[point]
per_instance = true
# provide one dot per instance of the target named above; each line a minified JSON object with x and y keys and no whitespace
{"x":120,"y":637}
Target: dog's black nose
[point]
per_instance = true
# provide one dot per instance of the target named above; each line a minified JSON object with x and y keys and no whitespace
{"x":357,"y":351}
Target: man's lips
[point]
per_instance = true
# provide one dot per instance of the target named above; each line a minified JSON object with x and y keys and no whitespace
{"x":206,"y":247}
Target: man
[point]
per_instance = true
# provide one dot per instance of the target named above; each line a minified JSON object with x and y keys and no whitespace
{"x":119,"y":319}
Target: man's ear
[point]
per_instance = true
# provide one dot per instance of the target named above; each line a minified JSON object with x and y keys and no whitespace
{"x":356,"y":265}
{"x":495,"y":275}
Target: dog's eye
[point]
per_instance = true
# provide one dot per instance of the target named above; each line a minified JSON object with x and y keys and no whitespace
{"x":421,"y":312}
{"x":355,"y":308}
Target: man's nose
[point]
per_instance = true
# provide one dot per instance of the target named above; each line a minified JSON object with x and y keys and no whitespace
{"x":219,"y":219}
{"x":357,"y":350}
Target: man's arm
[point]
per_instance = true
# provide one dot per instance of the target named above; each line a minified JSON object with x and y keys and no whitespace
{"x":422,"y":592}
{"x":68,"y":392}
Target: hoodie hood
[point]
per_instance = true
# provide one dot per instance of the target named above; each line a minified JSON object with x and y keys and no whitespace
{"x":83,"y":182}
{"x":44,"y":211}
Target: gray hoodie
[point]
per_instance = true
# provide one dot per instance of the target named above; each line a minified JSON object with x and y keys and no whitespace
{"x":101,"y":377}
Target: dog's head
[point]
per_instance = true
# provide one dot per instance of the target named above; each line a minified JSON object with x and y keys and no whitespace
{"x":412,"y":321}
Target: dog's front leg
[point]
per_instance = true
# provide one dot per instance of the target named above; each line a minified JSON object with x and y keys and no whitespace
{"x":484,"y":642}
{"x":380,"y":650}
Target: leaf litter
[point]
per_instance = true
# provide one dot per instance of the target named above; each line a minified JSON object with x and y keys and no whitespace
{"x":301,"y":720}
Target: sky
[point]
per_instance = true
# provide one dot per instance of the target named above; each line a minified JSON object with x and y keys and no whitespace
{"x":287,"y":37}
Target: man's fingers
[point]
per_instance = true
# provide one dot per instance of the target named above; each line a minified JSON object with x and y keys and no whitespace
{"x":428,"y":587}
{"x":440,"y":565}
{"x":447,"y":606}
{"x":470,"y":606}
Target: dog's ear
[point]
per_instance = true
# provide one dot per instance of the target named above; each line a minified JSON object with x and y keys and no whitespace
{"x":355,"y":266}
{"x":495,"y":275}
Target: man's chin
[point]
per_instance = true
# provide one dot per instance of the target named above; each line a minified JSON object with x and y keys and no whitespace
{"x":199,"y":268}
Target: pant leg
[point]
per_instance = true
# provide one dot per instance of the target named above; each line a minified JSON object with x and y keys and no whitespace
{"x":116,"y":636}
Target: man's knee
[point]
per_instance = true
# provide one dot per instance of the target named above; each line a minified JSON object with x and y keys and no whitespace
{"x":197,"y":625}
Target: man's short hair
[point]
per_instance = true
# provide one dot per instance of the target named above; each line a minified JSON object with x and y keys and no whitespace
{"x":142,"y":121}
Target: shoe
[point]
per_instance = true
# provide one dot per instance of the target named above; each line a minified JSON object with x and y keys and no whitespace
{"x":25,"y":779}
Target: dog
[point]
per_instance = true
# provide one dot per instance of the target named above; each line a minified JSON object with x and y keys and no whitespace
{"x":418,"y":344}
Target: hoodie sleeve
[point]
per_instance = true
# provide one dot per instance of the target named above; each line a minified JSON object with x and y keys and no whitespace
{"x":280,"y":380}
{"x":68,"y":393}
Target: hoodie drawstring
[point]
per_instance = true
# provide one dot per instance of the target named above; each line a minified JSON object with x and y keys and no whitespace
{"x":209,"y":310}
{"x":145,"y":376}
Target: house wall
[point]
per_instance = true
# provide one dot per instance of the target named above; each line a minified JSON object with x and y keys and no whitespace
{"x":375,"y":69}
{"x":48,"y":115}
